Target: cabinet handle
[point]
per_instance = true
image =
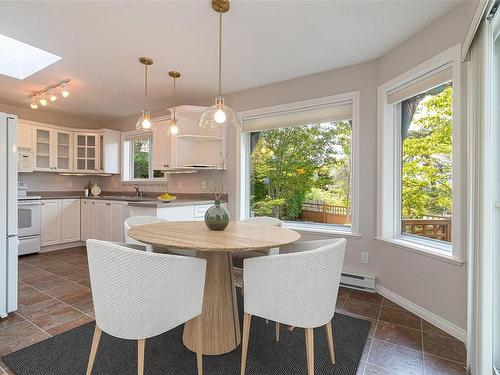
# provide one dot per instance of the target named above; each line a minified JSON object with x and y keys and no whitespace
{"x":42,"y":204}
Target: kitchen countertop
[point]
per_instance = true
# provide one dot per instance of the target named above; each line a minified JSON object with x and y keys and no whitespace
{"x":136,"y":201}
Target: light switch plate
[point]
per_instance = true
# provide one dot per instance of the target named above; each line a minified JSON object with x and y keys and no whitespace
{"x":364,"y":257}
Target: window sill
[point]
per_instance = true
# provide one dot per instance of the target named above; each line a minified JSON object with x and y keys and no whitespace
{"x":144,"y":181}
{"x":335,"y":231}
{"x":421,"y":249}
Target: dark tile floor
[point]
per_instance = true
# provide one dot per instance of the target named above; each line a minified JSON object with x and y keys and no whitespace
{"x":54,"y":296}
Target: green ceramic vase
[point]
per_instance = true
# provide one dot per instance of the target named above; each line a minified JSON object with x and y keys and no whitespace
{"x":217,"y":217}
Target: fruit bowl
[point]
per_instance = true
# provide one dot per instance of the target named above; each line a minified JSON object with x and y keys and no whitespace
{"x":167,"y":198}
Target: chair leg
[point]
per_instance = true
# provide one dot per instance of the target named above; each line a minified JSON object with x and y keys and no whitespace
{"x":329,"y":339}
{"x":93,"y":350}
{"x":199,"y":346}
{"x":247,"y":319}
{"x":277,"y":332}
{"x":310,"y":350}
{"x":141,"y":343}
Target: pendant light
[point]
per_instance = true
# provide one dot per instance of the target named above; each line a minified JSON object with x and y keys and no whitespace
{"x":219,"y":114}
{"x":173,"y":129}
{"x":145,"y":122}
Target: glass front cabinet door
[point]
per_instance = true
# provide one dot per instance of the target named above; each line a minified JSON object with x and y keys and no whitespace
{"x":53,"y":150}
{"x":63,"y":147}
{"x":86,"y":152}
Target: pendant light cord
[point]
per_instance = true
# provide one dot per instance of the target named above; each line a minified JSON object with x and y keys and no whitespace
{"x":174,"y":97}
{"x":220,"y":51}
{"x":145,"y":87}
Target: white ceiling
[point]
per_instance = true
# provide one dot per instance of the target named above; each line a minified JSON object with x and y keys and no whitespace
{"x":264,"y":42}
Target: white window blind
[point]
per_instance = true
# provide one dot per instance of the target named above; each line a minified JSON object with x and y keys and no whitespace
{"x":420,"y":85}
{"x":283,"y":119}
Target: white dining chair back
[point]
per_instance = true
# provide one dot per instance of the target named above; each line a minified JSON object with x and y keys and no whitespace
{"x":299,"y":289}
{"x":264,"y":220}
{"x":139,"y":294}
{"x":135,"y":221}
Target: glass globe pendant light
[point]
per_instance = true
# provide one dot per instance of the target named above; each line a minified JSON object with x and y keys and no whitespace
{"x":173,"y":129}
{"x":145,"y":122}
{"x":219,"y":114}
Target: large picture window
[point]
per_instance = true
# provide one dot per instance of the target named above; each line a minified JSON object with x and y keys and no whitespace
{"x":419,"y":166}
{"x":426,"y":164}
{"x":299,"y":164}
{"x":302,"y":173}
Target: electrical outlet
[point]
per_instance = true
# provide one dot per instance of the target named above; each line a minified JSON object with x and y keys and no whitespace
{"x":364,"y":257}
{"x":203,"y":185}
{"x":179,"y":185}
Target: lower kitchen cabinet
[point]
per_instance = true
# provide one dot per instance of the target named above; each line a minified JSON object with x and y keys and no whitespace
{"x":103,"y":220}
{"x":60,"y":221}
{"x":50,"y":218}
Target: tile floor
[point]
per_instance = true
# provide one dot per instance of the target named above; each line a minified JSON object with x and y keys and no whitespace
{"x":54,"y":296}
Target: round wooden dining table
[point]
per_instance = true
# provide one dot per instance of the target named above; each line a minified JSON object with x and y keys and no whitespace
{"x":219,"y":318}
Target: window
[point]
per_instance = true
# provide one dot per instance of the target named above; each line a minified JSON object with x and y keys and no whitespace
{"x":419,"y":169}
{"x":138,"y":158}
{"x":426,"y":164}
{"x":298,"y":165}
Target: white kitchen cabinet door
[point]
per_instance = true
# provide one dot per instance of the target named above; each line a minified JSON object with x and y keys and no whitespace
{"x":162,"y":147}
{"x":63,"y":151}
{"x":43,"y":152}
{"x":85,"y":220}
{"x":70,"y":229}
{"x":51,"y":222}
{"x":99,"y":217}
{"x":116,"y":217}
{"x":110,"y":145}
{"x":181,"y":213}
{"x":86,"y":152}
{"x":24,"y":135}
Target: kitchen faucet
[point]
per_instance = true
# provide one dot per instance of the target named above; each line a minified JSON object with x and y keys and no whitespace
{"x":138,"y":193}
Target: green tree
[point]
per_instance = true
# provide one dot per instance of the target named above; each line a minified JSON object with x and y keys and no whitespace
{"x":141,"y":158}
{"x":288,"y":163}
{"x":427,"y":158}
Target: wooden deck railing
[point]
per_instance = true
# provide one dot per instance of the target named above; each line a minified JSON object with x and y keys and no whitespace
{"x":431,"y":226}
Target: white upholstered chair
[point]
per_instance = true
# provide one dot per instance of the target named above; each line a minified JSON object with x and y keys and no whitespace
{"x":139,"y":294}
{"x":135,"y":221}
{"x":297,"y":289}
{"x":239,"y":257}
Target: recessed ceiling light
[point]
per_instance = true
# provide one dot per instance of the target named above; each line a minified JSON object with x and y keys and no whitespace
{"x":20,"y":60}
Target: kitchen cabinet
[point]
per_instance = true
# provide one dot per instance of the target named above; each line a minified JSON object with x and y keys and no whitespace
{"x":109,"y":147}
{"x":24,"y":135}
{"x":193,"y":148}
{"x":52,"y":150}
{"x":174,"y":213}
{"x":60,"y":221}
{"x":70,"y":215}
{"x":50,"y":218}
{"x":162,"y":147}
{"x":86,"y":152}
{"x":103,"y":220}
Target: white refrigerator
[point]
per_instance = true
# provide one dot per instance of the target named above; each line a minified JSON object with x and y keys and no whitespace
{"x":8,"y":214}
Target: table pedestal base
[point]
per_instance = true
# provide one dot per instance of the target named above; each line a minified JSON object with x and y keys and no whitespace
{"x":219,"y":319}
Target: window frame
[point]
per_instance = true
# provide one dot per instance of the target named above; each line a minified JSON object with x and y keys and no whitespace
{"x":127,"y":157}
{"x":389,"y":149}
{"x":243,"y":162}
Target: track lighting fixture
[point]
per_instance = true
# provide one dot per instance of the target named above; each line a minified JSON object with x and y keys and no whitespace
{"x":48,"y":94}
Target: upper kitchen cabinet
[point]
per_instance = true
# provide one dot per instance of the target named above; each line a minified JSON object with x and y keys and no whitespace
{"x":24,"y":135}
{"x":52,"y":149}
{"x":110,"y":143}
{"x":87,"y":152}
{"x":192,"y":148}
{"x":162,"y":145}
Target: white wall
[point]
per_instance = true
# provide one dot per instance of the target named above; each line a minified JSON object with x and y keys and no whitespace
{"x":432,"y":284}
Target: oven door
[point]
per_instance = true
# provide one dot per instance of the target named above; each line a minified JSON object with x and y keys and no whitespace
{"x":28,"y":219}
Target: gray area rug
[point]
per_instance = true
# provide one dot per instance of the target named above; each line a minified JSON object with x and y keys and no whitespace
{"x":67,"y":353}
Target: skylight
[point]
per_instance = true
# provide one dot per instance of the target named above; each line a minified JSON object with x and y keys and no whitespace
{"x":20,"y":60}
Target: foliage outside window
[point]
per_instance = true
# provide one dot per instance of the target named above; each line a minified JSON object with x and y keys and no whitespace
{"x":426,"y":191}
{"x":302,"y":173}
{"x":140,"y":163}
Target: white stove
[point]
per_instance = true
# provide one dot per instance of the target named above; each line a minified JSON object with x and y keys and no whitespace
{"x":28,"y":221}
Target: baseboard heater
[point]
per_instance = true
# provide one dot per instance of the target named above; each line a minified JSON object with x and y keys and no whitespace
{"x":360,"y":282}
